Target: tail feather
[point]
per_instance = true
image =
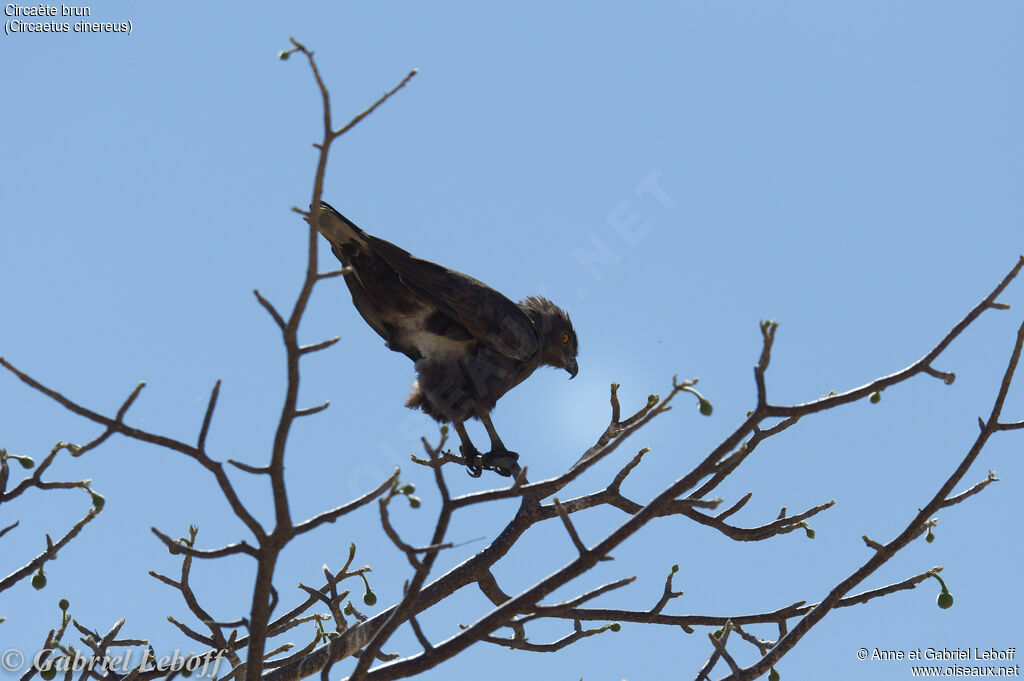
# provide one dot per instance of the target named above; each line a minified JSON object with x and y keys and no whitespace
{"x":338,"y":229}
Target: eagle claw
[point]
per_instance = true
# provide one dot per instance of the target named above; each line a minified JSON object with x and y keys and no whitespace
{"x":501,"y":461}
{"x":472,"y":455}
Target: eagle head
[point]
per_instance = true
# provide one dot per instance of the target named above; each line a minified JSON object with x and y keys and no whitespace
{"x":556,"y":332}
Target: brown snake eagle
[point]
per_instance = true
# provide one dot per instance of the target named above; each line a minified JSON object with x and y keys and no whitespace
{"x":470,"y":344}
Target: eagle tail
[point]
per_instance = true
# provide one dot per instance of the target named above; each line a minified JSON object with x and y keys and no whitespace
{"x":337,"y":228}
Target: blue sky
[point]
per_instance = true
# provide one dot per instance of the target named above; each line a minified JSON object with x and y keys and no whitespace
{"x":850,"y":170}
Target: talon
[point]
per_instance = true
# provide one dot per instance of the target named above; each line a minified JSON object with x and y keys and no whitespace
{"x":472,"y":457}
{"x":502,"y":462}
{"x":510,"y":472}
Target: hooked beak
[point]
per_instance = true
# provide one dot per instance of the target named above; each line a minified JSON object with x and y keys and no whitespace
{"x":573,"y":369}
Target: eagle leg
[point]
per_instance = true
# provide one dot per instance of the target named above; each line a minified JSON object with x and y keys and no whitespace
{"x":503,"y":461}
{"x":470,"y":453}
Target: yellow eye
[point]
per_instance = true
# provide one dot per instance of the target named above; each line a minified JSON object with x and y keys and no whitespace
{"x":565,"y":338}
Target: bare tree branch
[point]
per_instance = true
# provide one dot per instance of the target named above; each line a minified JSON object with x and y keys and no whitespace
{"x":334,"y":514}
{"x":207,"y":417}
{"x":912,"y":529}
{"x":49,"y":553}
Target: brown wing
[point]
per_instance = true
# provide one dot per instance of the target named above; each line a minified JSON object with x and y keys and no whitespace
{"x":490,"y":317}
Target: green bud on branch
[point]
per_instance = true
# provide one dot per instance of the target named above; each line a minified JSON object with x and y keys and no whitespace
{"x":705,"y":407}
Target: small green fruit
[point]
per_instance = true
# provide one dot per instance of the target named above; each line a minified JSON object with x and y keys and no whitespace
{"x":615,"y":626}
{"x":38,"y":580}
{"x":370,"y":598}
{"x":945,"y":600}
{"x":63,"y":604}
{"x":414,"y":501}
{"x":26,"y":461}
{"x":48,"y":673}
{"x":876,"y":397}
{"x":773,"y":675}
{"x":705,"y":407}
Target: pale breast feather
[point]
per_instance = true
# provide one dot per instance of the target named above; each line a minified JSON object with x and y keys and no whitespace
{"x":414,"y":331}
{"x":432,"y":346}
